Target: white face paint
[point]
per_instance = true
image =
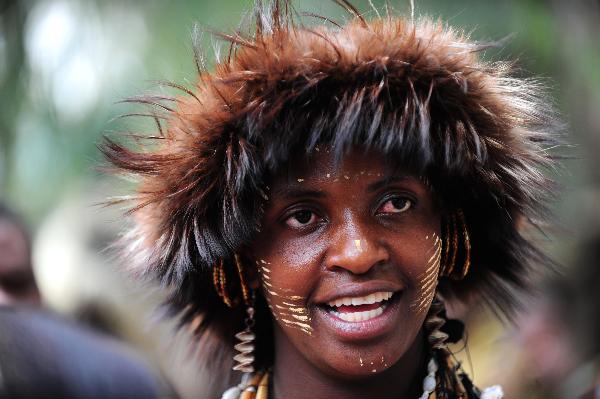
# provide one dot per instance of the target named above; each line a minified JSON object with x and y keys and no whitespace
{"x":286,"y":308}
{"x":429,"y":278}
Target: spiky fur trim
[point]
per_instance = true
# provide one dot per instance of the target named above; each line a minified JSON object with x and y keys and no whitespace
{"x":416,"y":91}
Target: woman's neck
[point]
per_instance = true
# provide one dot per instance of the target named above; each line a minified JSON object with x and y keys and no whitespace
{"x":294,"y":377}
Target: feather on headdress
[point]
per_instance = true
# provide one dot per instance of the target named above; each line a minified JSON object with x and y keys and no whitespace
{"x":416,"y":91}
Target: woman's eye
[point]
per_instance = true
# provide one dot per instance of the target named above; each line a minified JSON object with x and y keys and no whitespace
{"x":301,"y":218}
{"x":395,"y":205}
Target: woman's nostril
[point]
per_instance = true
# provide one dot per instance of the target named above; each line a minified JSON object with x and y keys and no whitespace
{"x":357,"y":255}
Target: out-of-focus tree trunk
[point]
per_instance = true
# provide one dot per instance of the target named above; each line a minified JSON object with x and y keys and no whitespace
{"x":12,"y":81}
{"x":578,"y":22}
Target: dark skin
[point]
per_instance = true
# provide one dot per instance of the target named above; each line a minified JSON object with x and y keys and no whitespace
{"x":347,"y":231}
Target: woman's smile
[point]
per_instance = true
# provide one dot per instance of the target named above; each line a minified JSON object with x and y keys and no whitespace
{"x":361,"y":322}
{"x":360,"y":311}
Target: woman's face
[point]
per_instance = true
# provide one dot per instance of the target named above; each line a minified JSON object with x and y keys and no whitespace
{"x":348,"y":258}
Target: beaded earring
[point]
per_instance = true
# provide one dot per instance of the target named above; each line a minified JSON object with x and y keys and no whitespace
{"x":454,"y":225}
{"x":220,"y":282}
{"x":223,"y":288}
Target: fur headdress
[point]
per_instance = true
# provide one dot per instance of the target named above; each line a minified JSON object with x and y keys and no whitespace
{"x":416,"y":91}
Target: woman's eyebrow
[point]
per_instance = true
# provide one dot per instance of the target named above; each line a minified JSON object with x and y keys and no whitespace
{"x":387,"y":180}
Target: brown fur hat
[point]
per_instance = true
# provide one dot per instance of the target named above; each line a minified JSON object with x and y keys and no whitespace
{"x":416,"y":91}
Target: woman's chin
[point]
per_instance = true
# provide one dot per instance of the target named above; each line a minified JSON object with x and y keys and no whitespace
{"x":359,"y":362}
{"x":367,"y":371}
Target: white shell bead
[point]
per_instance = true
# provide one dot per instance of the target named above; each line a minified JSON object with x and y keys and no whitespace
{"x":232,"y":393}
{"x":429,"y":383}
{"x":245,"y":336}
{"x":493,"y":392}
{"x":432,"y":367}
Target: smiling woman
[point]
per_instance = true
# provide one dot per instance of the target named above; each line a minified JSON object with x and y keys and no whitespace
{"x":328,"y":189}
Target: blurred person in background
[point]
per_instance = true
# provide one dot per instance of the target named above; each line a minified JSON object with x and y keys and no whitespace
{"x":43,"y":355}
{"x":561,"y":332}
{"x":17,"y":281}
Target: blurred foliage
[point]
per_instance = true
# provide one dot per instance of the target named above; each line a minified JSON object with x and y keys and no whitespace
{"x":64,"y":64}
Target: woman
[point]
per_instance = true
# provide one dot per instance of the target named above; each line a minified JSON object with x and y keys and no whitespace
{"x":327,"y":189}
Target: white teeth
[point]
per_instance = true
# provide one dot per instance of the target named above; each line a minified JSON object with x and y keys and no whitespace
{"x":359,"y":316}
{"x":363,"y":300}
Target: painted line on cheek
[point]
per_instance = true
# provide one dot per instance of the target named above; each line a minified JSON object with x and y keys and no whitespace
{"x":303,"y":326}
{"x":292,"y":309}
{"x":290,"y":304}
{"x":431,"y":282}
{"x":427,"y":291}
{"x":434,"y":264}
{"x":297,"y":317}
{"x":431,"y":275}
{"x":426,"y":298}
{"x":431,"y":267}
{"x":436,"y":254}
{"x":429,"y":278}
{"x":424,"y":303}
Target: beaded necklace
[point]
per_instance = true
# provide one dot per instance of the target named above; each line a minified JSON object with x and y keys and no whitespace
{"x":256,"y":386}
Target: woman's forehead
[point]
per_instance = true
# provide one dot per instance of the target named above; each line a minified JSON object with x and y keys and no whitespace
{"x":322,"y":165}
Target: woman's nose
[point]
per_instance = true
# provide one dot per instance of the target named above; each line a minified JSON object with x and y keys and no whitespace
{"x":355,"y":249}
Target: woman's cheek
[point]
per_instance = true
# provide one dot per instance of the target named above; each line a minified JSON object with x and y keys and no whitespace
{"x":427,"y":280}
{"x":288,"y":308}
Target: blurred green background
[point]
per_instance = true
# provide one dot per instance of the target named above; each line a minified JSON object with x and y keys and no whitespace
{"x":64,"y":65}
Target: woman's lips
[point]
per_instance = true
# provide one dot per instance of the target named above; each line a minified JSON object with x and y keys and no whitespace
{"x":363,"y":321}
